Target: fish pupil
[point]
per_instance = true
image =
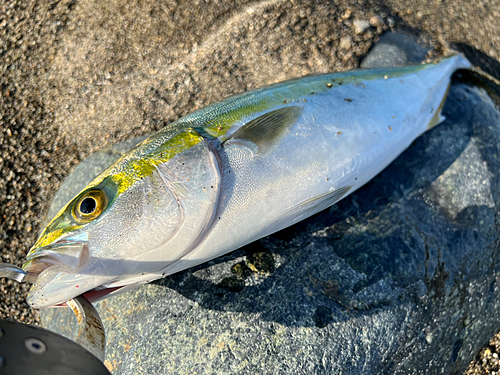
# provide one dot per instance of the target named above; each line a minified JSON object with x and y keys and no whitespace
{"x":88,"y":206}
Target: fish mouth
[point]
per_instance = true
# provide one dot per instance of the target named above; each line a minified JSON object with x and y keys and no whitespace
{"x":73,"y":254}
{"x":44,"y":265}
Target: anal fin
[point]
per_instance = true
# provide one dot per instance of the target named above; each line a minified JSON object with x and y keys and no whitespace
{"x":316,"y":204}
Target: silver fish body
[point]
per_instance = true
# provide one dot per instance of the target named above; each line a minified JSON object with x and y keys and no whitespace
{"x":234,"y":172}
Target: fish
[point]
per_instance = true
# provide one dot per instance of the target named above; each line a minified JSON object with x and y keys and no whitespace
{"x":231,"y":173}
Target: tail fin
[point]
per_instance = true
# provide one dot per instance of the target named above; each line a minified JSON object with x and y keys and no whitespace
{"x":456,"y":62}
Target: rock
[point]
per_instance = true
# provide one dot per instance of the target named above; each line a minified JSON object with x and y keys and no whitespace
{"x":360,"y":26}
{"x":400,"y":277}
{"x":376,"y":21}
{"x":346,"y":43}
{"x":347,"y":14}
{"x":395,"y":49}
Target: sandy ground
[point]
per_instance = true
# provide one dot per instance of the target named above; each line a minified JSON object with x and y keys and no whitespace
{"x":76,"y":76}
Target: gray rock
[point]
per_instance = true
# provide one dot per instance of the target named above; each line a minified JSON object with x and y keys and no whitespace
{"x":395,"y":49}
{"x":400,"y":277}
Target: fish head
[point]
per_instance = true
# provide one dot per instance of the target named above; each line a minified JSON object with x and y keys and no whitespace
{"x":144,"y":212}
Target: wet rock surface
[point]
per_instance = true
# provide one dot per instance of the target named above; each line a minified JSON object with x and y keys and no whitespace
{"x":77,"y":76}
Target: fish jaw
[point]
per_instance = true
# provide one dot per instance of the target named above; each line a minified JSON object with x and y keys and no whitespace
{"x":57,"y":284}
{"x":58,"y":271}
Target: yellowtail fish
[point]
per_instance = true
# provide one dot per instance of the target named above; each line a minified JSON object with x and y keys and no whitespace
{"x":231,"y":173}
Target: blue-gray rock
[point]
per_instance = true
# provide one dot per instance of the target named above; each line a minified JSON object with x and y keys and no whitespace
{"x":395,"y":49}
{"x":401,"y":277}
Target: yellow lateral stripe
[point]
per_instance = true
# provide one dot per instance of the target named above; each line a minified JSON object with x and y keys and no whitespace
{"x":137,"y":167}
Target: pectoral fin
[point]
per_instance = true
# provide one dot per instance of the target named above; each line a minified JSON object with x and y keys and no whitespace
{"x":316,"y":204}
{"x":266,"y":130}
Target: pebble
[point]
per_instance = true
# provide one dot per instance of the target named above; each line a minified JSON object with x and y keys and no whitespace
{"x":347,"y":14}
{"x":360,"y":26}
{"x":376,"y":21}
{"x":346,"y":43}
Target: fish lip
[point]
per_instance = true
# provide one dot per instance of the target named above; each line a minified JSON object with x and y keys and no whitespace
{"x":67,"y":252}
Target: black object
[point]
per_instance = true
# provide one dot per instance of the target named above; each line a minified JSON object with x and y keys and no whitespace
{"x":31,"y":350}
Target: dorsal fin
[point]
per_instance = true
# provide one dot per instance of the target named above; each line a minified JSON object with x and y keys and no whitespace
{"x":265,"y":130}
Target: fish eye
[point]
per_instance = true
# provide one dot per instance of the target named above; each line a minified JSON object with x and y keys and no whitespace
{"x":90,"y":205}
